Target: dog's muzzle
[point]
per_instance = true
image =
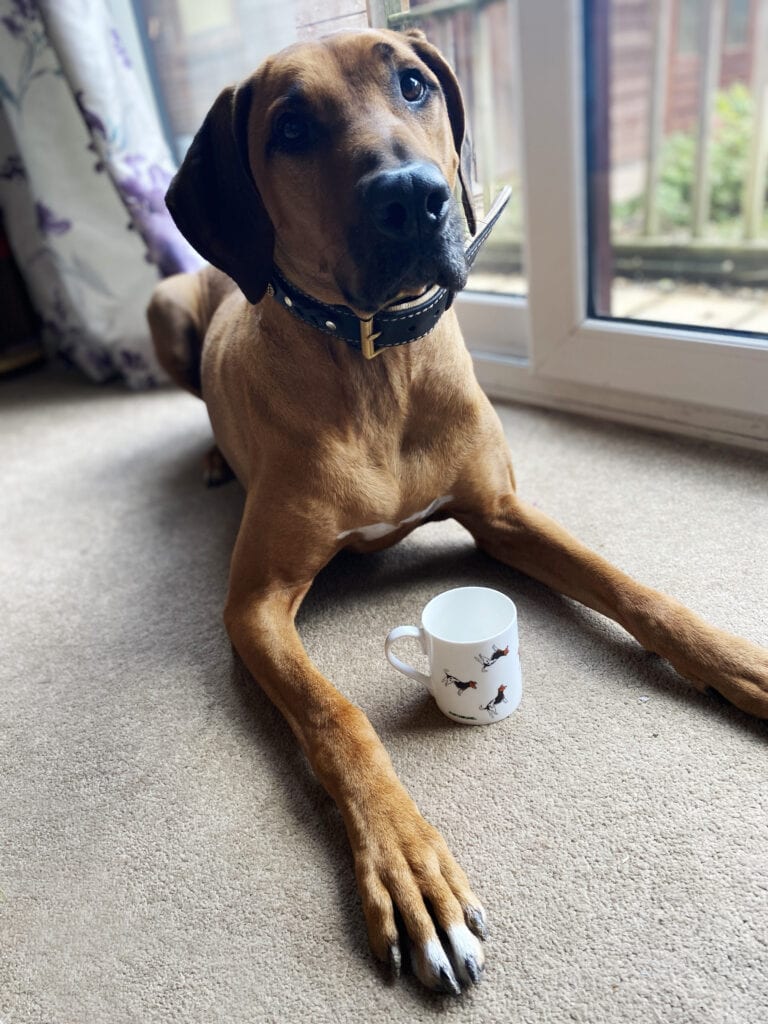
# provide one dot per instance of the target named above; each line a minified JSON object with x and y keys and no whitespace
{"x":409,"y":235}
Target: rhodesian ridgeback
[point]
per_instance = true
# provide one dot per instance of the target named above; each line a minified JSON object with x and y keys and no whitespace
{"x":323,"y":191}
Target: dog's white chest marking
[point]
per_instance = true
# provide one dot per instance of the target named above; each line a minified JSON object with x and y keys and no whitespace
{"x":377,"y":530}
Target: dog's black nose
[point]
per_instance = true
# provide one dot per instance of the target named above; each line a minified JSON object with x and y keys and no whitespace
{"x":409,"y":202}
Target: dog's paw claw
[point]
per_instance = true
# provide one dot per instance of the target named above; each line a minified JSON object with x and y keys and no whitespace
{"x":433,"y":968}
{"x":472,"y":969}
{"x":395,"y":960}
{"x":449,"y":983}
{"x":466,"y":954}
{"x":475,"y":918}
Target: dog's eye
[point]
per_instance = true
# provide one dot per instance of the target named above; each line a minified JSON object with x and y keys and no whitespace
{"x":412,"y":86}
{"x":292,"y":128}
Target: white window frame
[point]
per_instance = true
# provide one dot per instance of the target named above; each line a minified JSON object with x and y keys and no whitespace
{"x":544,"y":348}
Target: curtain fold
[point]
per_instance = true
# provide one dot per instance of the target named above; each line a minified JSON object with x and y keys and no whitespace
{"x":83,"y":171}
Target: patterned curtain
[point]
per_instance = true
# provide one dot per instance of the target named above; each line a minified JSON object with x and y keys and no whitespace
{"x":83,"y":172}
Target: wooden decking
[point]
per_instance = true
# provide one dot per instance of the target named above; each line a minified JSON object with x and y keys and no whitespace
{"x":665,"y":301}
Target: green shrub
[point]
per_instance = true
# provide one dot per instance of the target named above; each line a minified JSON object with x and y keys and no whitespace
{"x":729,"y":155}
{"x":674,"y":196}
{"x":730,"y":150}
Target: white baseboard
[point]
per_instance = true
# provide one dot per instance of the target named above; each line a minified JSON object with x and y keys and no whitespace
{"x":511,"y":378}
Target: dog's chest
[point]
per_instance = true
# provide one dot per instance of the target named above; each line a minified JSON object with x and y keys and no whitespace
{"x":395,"y":491}
{"x":373,"y":532}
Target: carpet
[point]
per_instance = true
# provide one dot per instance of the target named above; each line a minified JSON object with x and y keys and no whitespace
{"x":166,"y":854}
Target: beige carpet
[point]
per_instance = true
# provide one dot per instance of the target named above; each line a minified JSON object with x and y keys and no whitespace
{"x":166,"y":856}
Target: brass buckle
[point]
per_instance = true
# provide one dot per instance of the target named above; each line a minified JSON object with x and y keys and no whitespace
{"x":367,"y":338}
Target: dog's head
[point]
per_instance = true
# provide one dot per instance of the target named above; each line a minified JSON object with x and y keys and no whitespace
{"x":337,"y":161}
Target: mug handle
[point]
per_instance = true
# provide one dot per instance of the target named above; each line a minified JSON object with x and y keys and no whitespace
{"x":396,"y":634}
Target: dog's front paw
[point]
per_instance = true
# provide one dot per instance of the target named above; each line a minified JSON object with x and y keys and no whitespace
{"x":740,"y":673}
{"x":713,"y":659}
{"x":405,"y":868}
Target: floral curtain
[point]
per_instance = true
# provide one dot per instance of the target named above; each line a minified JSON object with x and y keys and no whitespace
{"x":83,"y":172}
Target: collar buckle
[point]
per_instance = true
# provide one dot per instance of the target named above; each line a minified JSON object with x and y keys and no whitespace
{"x":367,"y":339}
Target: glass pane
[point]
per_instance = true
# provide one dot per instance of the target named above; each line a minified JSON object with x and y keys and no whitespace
{"x":197,"y":47}
{"x":737,"y":23}
{"x":678,"y":161}
{"x":476,"y":38}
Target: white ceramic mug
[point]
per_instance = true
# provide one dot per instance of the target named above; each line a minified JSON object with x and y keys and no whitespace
{"x":470,"y":637}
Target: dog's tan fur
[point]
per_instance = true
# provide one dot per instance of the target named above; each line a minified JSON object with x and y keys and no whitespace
{"x":326,"y":443}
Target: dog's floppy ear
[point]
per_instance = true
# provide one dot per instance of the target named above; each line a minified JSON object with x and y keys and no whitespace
{"x":450,"y":86}
{"x":214,"y":200}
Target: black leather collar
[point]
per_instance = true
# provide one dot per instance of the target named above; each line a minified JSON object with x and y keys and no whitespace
{"x":395,"y":325}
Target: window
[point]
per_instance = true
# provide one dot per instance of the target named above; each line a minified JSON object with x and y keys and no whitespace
{"x":690,"y":378}
{"x":672,"y":239}
{"x":197,"y":47}
{"x":689,"y":26}
{"x":629,"y":279}
{"x":737,"y":24}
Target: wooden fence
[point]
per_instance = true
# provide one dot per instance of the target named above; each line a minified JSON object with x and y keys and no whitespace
{"x":468,"y":30}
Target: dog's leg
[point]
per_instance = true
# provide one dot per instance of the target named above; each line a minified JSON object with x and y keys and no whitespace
{"x":177,"y":330}
{"x":526,"y":539}
{"x":401,"y":861}
{"x":179,"y":312}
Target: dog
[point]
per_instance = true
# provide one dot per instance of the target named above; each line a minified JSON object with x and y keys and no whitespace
{"x":322,"y":192}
